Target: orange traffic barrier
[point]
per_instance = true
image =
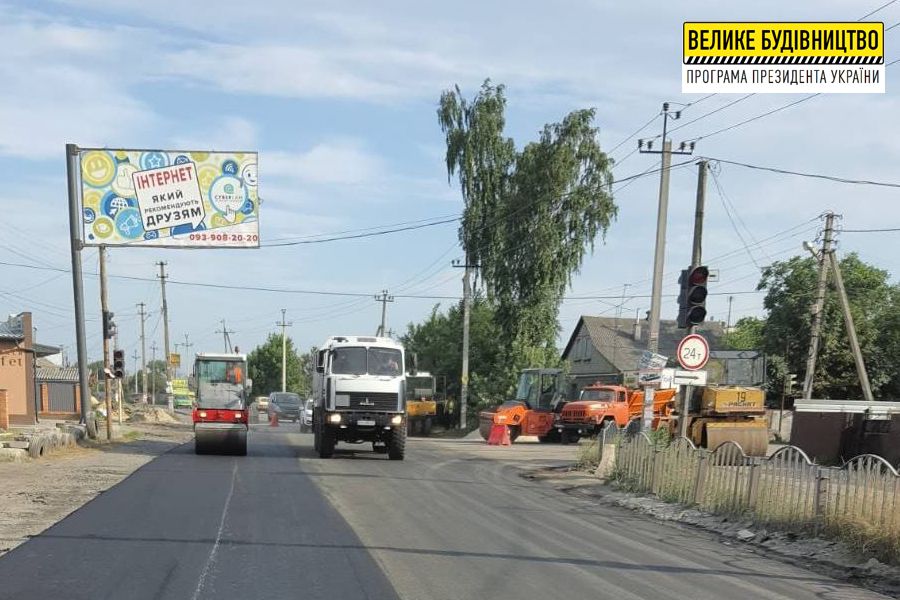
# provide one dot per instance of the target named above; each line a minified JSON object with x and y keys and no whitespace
{"x":499,"y":436}
{"x":273,"y":420}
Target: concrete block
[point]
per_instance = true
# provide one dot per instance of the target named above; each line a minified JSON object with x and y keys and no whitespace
{"x":607,"y":461}
{"x":21,"y":445}
{"x":13,"y":455}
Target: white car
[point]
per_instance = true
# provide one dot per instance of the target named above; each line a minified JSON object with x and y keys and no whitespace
{"x":306,"y":416}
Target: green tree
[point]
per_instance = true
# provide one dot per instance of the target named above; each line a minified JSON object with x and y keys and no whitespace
{"x":264,"y":364}
{"x":747,"y":334}
{"x":529,"y":216}
{"x":790,"y":292}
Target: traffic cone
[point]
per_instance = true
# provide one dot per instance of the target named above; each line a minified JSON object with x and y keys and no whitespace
{"x":273,"y":420}
{"x":499,"y":436}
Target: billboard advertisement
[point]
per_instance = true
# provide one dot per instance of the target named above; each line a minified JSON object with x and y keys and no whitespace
{"x":169,"y":198}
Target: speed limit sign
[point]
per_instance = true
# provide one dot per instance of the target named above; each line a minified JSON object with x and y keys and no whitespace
{"x":693,"y":352}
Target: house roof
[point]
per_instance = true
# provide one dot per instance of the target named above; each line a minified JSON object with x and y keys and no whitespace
{"x":614,"y":338}
{"x":9,"y":332}
{"x":47,"y":371}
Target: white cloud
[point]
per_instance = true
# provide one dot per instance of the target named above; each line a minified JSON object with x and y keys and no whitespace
{"x":226,"y":133}
{"x":338,"y":161}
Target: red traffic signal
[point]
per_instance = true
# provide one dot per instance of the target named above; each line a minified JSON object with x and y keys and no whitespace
{"x":692,"y":299}
{"x":698,"y":276}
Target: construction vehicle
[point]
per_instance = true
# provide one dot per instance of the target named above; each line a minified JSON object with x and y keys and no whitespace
{"x":718,"y":414}
{"x":421,"y":403}
{"x":358,"y":395}
{"x":598,"y":404}
{"x":182,"y":396}
{"x":220,"y":411}
{"x":533,"y":411}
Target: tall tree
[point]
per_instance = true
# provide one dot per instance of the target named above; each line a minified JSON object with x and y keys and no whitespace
{"x":529,"y":216}
{"x":264,"y":364}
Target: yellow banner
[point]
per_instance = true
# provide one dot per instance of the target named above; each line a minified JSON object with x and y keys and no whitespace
{"x":825,"y":42}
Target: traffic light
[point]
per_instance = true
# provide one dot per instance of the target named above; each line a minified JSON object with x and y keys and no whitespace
{"x":119,"y":364}
{"x":790,"y":380}
{"x":109,"y":326}
{"x":692,"y":299}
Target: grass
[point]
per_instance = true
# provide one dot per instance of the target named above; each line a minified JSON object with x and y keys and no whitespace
{"x":131,"y":436}
{"x":588,"y":456}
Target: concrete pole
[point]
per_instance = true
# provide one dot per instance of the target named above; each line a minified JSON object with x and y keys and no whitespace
{"x":165,"y":318}
{"x":818,"y":307}
{"x":73,"y":178}
{"x":851,"y":329}
{"x":107,"y":381}
{"x":464,"y":379}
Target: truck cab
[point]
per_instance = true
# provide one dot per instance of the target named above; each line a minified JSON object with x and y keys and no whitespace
{"x":359,"y":392}
{"x":600,"y":403}
{"x":220,"y":409}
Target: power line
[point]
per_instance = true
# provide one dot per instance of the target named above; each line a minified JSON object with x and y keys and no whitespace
{"x":882,"y":7}
{"x":374,"y":227}
{"x":868,"y":230}
{"x":637,"y":131}
{"x":361,"y":235}
{"x":833,"y":178}
{"x":757,"y":117}
{"x":730,"y":219}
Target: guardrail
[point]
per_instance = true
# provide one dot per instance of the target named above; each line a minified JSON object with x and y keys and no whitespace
{"x":786,"y":489}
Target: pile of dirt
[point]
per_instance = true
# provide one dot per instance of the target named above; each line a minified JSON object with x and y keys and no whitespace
{"x":152,"y":414}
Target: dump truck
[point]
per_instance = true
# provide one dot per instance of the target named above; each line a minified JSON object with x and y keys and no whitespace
{"x":718,"y":414}
{"x":359,"y":395}
{"x":220,"y":410}
{"x":533,"y":411}
{"x":600,"y":403}
{"x":421,"y":403}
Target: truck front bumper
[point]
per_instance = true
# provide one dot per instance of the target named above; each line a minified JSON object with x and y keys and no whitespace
{"x":582,"y":429}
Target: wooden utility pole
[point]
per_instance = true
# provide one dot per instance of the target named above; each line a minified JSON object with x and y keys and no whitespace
{"x":153,"y":374}
{"x":851,"y":329}
{"x":284,"y":325}
{"x":818,"y":307}
{"x":226,"y":333}
{"x":135,"y":370}
{"x":696,"y":258}
{"x":467,"y":313}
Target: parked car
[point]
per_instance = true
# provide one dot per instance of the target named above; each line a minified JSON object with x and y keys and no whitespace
{"x":307,"y":416}
{"x":287,"y":405}
{"x":262,"y":403}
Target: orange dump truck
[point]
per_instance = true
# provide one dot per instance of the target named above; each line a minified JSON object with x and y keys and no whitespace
{"x":600,"y":403}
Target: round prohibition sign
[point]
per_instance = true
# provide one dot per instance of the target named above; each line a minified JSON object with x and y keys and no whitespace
{"x":693,"y":352}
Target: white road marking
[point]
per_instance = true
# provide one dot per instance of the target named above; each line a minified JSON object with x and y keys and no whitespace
{"x":215,"y":549}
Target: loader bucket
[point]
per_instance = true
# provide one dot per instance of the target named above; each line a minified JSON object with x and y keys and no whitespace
{"x":485,"y":423}
{"x":752,"y":436}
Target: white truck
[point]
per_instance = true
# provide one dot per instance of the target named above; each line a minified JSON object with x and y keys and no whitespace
{"x":359,"y":395}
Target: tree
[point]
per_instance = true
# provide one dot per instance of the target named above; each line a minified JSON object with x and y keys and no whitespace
{"x":529,"y":216}
{"x":790,"y":292}
{"x":264,"y":364}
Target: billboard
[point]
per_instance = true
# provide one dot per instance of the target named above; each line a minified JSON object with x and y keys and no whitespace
{"x":169,"y":198}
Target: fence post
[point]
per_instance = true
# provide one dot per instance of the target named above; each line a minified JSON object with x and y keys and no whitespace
{"x":700,"y":476}
{"x":655,"y":472}
{"x":4,"y":410}
{"x":821,"y":497}
{"x":753,"y":483}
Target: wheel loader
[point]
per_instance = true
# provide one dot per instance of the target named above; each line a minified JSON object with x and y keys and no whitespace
{"x":533,"y":411}
{"x":421,"y":404}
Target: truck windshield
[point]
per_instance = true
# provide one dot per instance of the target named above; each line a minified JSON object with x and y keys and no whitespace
{"x":286,"y":398}
{"x":220,"y":384}
{"x":374,"y":361}
{"x":602,"y":395}
{"x":529,"y":388}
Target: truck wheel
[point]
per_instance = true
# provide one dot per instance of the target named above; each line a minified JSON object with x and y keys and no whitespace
{"x":570,"y":437}
{"x":326,"y":443}
{"x":426,"y":427}
{"x":552,"y":437}
{"x":37,"y":447}
{"x":514,"y":431}
{"x":397,"y":444}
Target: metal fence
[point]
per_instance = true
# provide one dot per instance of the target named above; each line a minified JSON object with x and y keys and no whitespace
{"x":785,"y":489}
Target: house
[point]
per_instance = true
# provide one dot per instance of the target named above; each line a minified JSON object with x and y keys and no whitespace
{"x":58,"y":393}
{"x":18,"y":355}
{"x":608,"y":349}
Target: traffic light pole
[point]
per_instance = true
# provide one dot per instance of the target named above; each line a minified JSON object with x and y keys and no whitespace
{"x":107,"y":380}
{"x":696,"y":257}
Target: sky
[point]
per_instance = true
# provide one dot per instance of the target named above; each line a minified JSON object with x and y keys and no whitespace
{"x":340,"y":100}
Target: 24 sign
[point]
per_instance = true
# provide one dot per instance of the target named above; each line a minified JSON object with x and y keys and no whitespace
{"x":693,"y":352}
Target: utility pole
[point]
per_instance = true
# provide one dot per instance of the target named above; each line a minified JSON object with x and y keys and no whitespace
{"x":696,"y":257}
{"x":143,"y":318}
{"x":659,"y":254}
{"x":153,"y":373}
{"x":165,"y":318}
{"x":818,"y":307}
{"x":467,"y":311}
{"x":187,"y":349}
{"x":851,"y":329}
{"x":728,"y":322}
{"x":384,"y":299}
{"x":73,"y":181}
{"x":135,"y":357}
{"x":284,"y":325}
{"x":225,"y":336}
{"x":107,"y":380}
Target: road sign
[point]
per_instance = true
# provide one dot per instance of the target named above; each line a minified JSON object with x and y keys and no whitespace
{"x":169,"y":198}
{"x":650,"y":377}
{"x":689,"y":378}
{"x":174,"y":360}
{"x":693,"y":352}
{"x":651,"y":360}
{"x":713,"y":275}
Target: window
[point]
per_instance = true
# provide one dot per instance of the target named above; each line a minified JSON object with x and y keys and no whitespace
{"x":220,"y":384}
{"x":385,"y":361}
{"x":374,"y":361}
{"x":349,"y":361}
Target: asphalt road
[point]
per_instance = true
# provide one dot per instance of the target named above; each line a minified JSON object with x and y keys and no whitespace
{"x":453,"y":521}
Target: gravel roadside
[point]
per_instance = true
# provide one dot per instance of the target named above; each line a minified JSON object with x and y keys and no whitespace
{"x":35,"y":494}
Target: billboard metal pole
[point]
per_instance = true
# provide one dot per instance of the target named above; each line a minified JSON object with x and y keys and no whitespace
{"x":73,"y":179}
